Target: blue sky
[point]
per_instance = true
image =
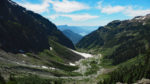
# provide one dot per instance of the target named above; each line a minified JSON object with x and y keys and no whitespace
{"x":87,"y":12}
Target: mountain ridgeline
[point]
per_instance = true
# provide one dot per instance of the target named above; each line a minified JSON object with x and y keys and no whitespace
{"x":125,"y":45}
{"x":31,"y":44}
{"x":122,"y":39}
{"x":21,"y":29}
{"x":82,"y":30}
{"x":31,"y":47}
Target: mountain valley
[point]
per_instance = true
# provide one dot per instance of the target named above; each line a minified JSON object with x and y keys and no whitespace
{"x":33,"y":50}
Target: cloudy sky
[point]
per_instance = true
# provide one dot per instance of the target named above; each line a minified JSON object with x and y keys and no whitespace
{"x":87,"y":12}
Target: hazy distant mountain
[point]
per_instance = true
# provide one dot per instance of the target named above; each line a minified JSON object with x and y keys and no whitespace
{"x":82,"y":30}
{"x":74,"y":37}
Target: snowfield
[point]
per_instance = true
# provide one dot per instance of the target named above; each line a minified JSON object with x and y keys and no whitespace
{"x":72,"y":64}
{"x":85,"y":55}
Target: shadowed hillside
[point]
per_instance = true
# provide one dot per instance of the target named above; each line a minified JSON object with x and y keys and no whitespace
{"x":25,"y":30}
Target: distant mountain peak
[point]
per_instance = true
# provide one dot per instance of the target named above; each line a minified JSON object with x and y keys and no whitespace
{"x":74,"y":37}
{"x":82,"y":30}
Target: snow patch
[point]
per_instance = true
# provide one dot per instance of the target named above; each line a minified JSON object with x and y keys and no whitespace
{"x":86,"y":55}
{"x":50,"y":48}
{"x":72,"y":64}
{"x":52,"y":68}
{"x":137,"y":18}
{"x":44,"y":67}
{"x":143,"y":18}
{"x":144,"y":23}
{"x":24,"y":55}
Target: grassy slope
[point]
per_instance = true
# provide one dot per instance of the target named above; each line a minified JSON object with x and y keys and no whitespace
{"x":120,"y":40}
{"x":123,"y":44}
{"x":57,"y":58}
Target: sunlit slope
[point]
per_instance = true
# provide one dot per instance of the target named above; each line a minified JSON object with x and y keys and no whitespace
{"x":120,"y":40}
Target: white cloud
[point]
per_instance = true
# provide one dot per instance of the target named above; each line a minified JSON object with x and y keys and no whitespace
{"x":110,"y":9}
{"x":53,"y":16}
{"x":80,"y":17}
{"x":67,"y":6}
{"x":127,"y":10}
{"x":139,"y":12}
{"x":75,"y":17}
{"x":38,"y":8}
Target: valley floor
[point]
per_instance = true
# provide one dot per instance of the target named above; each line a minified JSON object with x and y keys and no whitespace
{"x":89,"y":68}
